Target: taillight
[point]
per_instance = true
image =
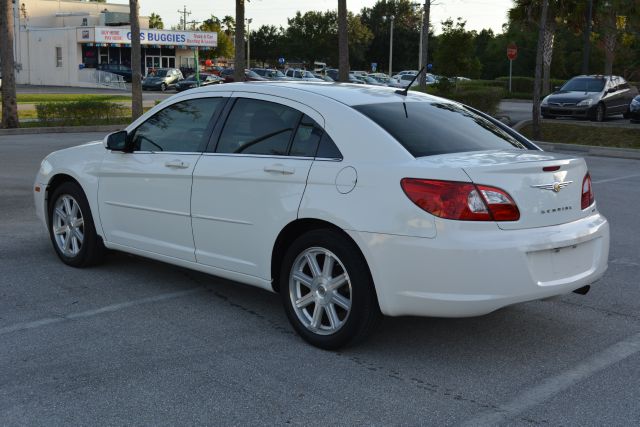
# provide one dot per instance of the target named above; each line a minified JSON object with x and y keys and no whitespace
{"x":587,"y":192}
{"x":461,"y":200}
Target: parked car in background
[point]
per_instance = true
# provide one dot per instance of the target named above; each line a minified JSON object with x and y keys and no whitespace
{"x":162,"y":79}
{"x":119,"y":69}
{"x":406,"y":79}
{"x":190,"y":82}
{"x":270,"y":73}
{"x":349,"y":203}
{"x":298,"y":74}
{"x":324,"y":77}
{"x":403,"y":73}
{"x":371,"y":81}
{"x":594,"y":97}
{"x":634,"y":110}
{"x":227,"y":75}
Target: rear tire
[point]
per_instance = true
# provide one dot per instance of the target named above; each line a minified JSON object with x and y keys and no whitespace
{"x":327,"y":290}
{"x":71,"y":227}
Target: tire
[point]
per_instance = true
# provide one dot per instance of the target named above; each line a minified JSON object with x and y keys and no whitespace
{"x":71,"y":227}
{"x":600,"y":115}
{"x":163,"y":87}
{"x":331,"y":317}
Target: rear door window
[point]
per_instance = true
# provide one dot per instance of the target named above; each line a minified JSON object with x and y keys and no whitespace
{"x":430,"y":128}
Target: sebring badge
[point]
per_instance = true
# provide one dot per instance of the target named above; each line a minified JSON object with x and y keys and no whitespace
{"x":555,"y":187}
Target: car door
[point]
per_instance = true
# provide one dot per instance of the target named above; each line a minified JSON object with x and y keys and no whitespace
{"x":249,"y":183}
{"x":144,"y":195}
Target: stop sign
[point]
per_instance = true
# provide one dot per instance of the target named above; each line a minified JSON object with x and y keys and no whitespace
{"x":512,"y":51}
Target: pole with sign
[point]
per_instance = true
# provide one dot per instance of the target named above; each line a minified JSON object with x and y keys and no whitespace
{"x":512,"y":53}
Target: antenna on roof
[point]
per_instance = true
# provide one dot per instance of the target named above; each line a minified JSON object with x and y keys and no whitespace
{"x":405,"y":91}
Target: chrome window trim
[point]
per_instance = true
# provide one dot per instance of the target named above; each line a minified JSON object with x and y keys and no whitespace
{"x":269,"y":156}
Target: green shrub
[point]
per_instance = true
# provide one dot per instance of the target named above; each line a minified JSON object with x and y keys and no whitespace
{"x":79,"y":113}
{"x":485,"y":98}
{"x":521,"y":84}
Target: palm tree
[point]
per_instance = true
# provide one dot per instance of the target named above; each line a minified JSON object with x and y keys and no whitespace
{"x":238,"y":74}
{"x":229,"y":24}
{"x":136,"y":61}
{"x":537,"y":83}
{"x":343,"y":42}
{"x":155,"y":21}
{"x":9,"y":104}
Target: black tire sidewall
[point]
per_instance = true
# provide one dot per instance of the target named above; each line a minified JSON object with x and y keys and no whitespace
{"x":364,"y":305}
{"x":91,"y":244}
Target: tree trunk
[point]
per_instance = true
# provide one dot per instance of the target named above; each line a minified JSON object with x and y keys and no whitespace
{"x":537,"y":84}
{"x":239,"y":66}
{"x":547,"y":56}
{"x":343,"y":42}
{"x":136,"y":61}
{"x":587,"y":39}
{"x":9,"y":104}
{"x":424,"y":33}
{"x":609,"y":52}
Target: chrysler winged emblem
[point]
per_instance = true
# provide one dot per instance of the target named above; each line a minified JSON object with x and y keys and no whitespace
{"x":555,"y":187}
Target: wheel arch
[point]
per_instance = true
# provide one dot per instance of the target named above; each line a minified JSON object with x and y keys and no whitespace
{"x":56,"y":181}
{"x":291,"y":232}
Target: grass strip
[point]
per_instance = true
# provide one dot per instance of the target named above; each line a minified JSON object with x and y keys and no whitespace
{"x":31,"y":98}
{"x":620,"y":137}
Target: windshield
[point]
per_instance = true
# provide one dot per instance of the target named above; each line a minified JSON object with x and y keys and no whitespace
{"x":161,"y":73}
{"x":251,"y":74}
{"x":308,"y":75}
{"x":430,"y":128}
{"x":584,"y":84}
{"x":276,"y":73}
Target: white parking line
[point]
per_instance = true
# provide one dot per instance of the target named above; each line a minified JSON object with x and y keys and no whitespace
{"x":106,"y":309}
{"x":554,"y":385}
{"x":616,"y":179}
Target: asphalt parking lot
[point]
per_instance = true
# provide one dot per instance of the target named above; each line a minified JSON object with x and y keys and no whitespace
{"x":134,"y":341}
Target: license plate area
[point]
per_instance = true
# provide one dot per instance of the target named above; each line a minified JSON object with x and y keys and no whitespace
{"x":554,"y":266}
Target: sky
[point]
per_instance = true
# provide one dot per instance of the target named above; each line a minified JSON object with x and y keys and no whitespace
{"x":479,"y":14}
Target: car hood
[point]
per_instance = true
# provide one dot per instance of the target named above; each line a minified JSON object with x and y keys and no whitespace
{"x":569,"y":96}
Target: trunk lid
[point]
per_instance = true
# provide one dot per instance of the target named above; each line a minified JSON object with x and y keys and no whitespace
{"x":544,"y":198}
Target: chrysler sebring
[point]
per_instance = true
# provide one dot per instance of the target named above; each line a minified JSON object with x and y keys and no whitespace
{"x":350,"y":201}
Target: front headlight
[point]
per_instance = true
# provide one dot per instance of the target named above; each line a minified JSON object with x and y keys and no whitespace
{"x":635,"y":102}
{"x":544,"y":101}
{"x":585,"y":102}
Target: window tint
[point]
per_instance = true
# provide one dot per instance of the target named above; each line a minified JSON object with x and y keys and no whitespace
{"x":180,"y":127}
{"x":258,"y":127}
{"x":305,"y":142}
{"x":328,"y":149}
{"x":429,"y":128}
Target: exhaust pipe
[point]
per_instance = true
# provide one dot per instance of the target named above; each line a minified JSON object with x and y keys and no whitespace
{"x":583,"y":290}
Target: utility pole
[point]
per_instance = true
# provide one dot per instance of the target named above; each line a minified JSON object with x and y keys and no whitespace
{"x":249,"y":21}
{"x":392,"y":18}
{"x":587,"y":40}
{"x":184,"y":12}
{"x":424,"y":43}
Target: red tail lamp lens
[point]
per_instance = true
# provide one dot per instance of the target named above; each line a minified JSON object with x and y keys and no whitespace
{"x":461,"y":200}
{"x":587,"y":192}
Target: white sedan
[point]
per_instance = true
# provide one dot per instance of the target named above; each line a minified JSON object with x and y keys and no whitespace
{"x":348,"y":200}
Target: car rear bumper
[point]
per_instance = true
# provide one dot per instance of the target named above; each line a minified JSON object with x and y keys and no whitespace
{"x":464,"y":272}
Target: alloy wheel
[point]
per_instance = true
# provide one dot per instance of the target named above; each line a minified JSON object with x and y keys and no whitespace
{"x":68,"y":225}
{"x":320,"y":291}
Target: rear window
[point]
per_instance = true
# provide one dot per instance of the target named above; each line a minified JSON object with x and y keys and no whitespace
{"x":430,"y":128}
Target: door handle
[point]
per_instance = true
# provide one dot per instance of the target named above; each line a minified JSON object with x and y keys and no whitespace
{"x":278,"y":168}
{"x":179,"y":164}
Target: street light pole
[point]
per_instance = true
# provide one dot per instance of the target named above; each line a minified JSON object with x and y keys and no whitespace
{"x":391,"y":47}
{"x":249,"y":20}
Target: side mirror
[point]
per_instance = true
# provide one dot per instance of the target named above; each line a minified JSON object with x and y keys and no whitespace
{"x":556,"y":88}
{"x":116,"y":141}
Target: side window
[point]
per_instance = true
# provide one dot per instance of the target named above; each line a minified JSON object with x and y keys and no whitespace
{"x":180,"y":127}
{"x":327,"y":148}
{"x":305,"y":142}
{"x":258,"y":127}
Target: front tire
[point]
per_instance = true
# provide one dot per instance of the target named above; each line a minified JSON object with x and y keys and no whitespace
{"x":600,"y":115}
{"x":327,"y":290}
{"x":163,"y":87}
{"x":71,"y":227}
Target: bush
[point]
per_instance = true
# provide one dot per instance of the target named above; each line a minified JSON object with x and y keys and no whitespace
{"x":521,"y":84}
{"x":485,"y":98}
{"x":79,"y":113}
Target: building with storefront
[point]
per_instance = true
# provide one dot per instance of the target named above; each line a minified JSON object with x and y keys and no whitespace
{"x":62,"y":42}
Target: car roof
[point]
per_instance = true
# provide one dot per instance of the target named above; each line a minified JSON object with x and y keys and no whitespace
{"x":345,"y":93}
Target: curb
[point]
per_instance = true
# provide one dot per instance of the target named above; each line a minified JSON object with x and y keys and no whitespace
{"x":587,"y":150}
{"x":61,"y":129}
